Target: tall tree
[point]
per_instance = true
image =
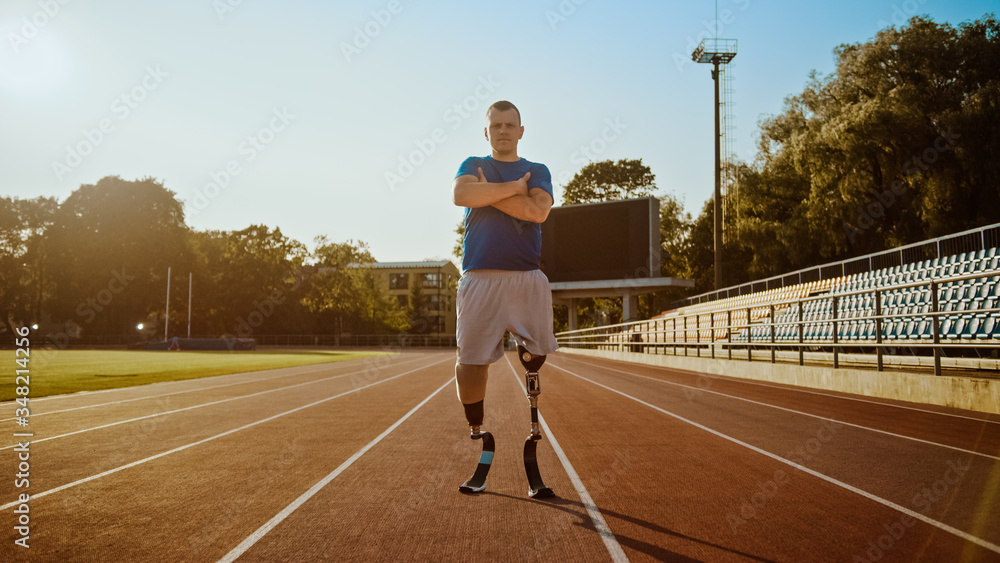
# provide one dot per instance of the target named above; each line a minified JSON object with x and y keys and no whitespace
{"x":251,"y":281}
{"x":608,"y":180}
{"x":898,"y":145}
{"x":24,"y":283}
{"x":109,"y":247}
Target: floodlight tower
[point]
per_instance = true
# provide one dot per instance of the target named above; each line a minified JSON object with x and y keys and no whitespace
{"x":718,"y":52}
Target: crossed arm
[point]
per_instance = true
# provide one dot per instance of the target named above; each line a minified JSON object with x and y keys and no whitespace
{"x":513,"y":198}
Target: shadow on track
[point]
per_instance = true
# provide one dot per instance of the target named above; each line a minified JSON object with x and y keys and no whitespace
{"x":577,"y":509}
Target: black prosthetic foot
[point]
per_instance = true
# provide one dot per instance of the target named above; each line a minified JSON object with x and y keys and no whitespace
{"x":477,"y":482}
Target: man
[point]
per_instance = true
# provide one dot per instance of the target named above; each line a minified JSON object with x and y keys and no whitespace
{"x":506,"y":199}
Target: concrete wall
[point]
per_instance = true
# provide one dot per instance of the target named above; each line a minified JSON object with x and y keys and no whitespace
{"x":970,"y":393}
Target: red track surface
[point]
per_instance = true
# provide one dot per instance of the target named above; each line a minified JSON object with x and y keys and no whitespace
{"x":361,"y":461}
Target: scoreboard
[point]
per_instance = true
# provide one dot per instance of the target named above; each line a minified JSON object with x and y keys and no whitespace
{"x":609,"y":240}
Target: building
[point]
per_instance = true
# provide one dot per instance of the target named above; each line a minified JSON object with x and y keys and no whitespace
{"x":436,"y":282}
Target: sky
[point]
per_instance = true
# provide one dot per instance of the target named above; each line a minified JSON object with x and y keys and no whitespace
{"x":349,"y":119}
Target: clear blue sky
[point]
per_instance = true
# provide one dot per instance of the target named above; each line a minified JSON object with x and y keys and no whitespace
{"x":314,"y":105}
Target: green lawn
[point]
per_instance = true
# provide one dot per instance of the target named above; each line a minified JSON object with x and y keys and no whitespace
{"x":54,"y":372}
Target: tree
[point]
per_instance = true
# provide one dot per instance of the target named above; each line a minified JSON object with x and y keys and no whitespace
{"x":24,"y":283}
{"x":416,"y":309}
{"x":250,"y":282}
{"x":610,"y":181}
{"x":345,"y":287}
{"x":898,"y":145}
{"x":109,"y":246}
{"x":460,"y":231}
{"x":675,"y":249}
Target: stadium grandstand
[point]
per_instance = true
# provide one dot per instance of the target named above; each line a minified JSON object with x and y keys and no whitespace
{"x":929,"y":304}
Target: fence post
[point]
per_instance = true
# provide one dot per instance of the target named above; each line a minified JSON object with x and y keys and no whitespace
{"x":878,"y":327}
{"x":801,"y":337}
{"x":749,"y":337}
{"x":697,"y":334}
{"x":711,"y":331}
{"x":729,"y":332}
{"x":836,"y":357}
{"x":685,"y":335}
{"x":936,"y":325}
{"x":772,"y":333}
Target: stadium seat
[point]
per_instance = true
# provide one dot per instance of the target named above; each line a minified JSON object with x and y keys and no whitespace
{"x":924,"y":331}
{"x":867,"y":331}
{"x":986,"y":328}
{"x":953,"y":327}
{"x":970,"y":330}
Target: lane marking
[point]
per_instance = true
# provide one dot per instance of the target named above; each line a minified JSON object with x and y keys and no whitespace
{"x":926,"y":519}
{"x":288,"y":510}
{"x":811,"y":392}
{"x":886,"y":432}
{"x":210,"y":438}
{"x":607,"y":536}
{"x":260,"y":380}
{"x":220,"y":401}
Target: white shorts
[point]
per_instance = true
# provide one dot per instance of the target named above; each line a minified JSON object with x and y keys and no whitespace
{"x":492,"y":301}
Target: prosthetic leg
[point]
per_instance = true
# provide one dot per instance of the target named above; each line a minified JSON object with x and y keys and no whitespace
{"x":531,"y":363}
{"x":476,"y":484}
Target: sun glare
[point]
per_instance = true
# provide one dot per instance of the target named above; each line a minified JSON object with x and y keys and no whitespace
{"x":39,"y":66}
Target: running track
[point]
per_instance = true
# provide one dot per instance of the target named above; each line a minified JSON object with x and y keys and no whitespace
{"x":361,"y":461}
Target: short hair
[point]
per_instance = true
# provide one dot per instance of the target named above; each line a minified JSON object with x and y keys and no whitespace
{"x":503,"y":105}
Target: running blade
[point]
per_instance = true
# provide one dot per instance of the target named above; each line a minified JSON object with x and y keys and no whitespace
{"x":478,"y":480}
{"x":537,"y":488}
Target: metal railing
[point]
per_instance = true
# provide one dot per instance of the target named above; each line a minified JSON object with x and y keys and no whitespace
{"x":875,"y":320}
{"x":972,"y":240}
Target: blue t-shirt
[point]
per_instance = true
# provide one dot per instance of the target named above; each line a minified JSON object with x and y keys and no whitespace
{"x":493,"y":239}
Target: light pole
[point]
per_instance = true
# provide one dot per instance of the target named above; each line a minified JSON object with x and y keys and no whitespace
{"x":717,"y":52}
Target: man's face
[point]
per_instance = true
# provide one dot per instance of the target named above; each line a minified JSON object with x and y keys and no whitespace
{"x":504,"y":130}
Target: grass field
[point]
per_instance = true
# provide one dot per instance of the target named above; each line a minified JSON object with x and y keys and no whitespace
{"x":55,"y":372}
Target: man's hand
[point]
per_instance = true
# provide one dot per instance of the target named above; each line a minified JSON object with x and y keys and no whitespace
{"x":523,"y":182}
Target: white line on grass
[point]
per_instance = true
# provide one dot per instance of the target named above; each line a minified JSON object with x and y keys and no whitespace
{"x":607,"y":536}
{"x":886,"y":432}
{"x":220,"y":401}
{"x":288,"y":510}
{"x":197,"y":389}
{"x":940,"y":525}
{"x":821,"y":394}
{"x":210,"y":438}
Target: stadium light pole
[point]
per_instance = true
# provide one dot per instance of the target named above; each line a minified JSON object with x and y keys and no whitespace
{"x":189,"y":303}
{"x":166,"y":321}
{"x":717,"y":52}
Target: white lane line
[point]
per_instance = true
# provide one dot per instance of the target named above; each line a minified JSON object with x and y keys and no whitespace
{"x":154,"y":415}
{"x":607,"y":536}
{"x":886,"y":432}
{"x":820,"y":393}
{"x":197,"y":389}
{"x":940,"y":525}
{"x":210,"y":438}
{"x":288,"y":510}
